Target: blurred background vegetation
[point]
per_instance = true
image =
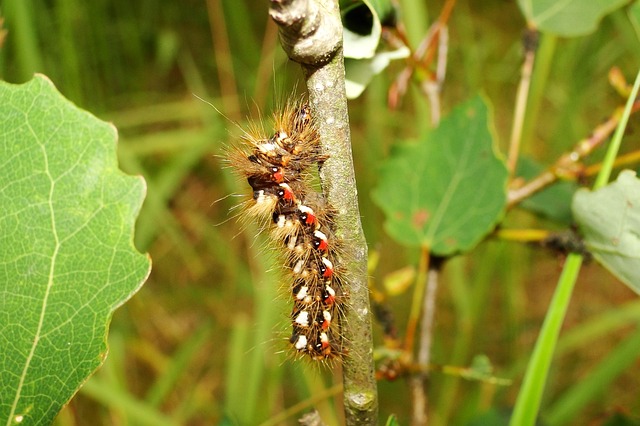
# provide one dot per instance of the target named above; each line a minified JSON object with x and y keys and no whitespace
{"x":202,"y":342}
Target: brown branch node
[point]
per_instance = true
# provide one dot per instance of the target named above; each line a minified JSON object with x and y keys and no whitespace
{"x":308,"y":34}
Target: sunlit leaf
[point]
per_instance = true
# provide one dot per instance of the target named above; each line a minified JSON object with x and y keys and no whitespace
{"x":609,"y":218}
{"x":360,"y":72}
{"x":362,"y":26}
{"x":448,"y":191}
{"x":66,"y":247}
{"x":568,"y":18}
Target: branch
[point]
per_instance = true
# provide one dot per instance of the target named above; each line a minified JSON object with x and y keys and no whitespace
{"x":311,"y":34}
{"x":568,"y":164}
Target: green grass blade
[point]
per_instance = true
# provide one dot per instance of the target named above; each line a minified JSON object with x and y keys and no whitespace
{"x":20,"y":23}
{"x":136,"y":410}
{"x":530,"y":396}
{"x":614,"y":146}
{"x":596,"y":383}
{"x":179,"y":365}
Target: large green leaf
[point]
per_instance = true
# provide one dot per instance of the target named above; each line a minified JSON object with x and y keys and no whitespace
{"x":67,"y":259}
{"x":568,"y":18}
{"x":448,"y":191}
{"x":609,"y":218}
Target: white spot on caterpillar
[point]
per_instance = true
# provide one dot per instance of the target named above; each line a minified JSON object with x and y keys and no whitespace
{"x":305,"y":209}
{"x":327,"y":263}
{"x":320,"y":235}
{"x":282,"y":219}
{"x":301,"y":342}
{"x":267,"y":147}
{"x":292,"y":242}
{"x":330,"y":290}
{"x":303,"y":319}
{"x":302,"y":293}
{"x":298,"y":268}
{"x":326,"y":315}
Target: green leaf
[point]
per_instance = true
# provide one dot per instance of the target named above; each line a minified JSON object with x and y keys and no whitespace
{"x":567,"y":18}
{"x":553,"y":202}
{"x":634,"y":17}
{"x":448,"y":191}
{"x":360,"y":72}
{"x":609,"y":218}
{"x":67,"y":259}
{"x":392,"y":420}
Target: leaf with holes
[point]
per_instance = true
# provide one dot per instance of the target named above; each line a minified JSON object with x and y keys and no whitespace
{"x":609,"y":218}
{"x":67,"y":259}
{"x":448,"y":191}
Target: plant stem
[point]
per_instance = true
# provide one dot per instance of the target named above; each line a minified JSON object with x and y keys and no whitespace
{"x":530,"y":395}
{"x":323,"y":67}
{"x":419,"y":394}
{"x":530,"y":45}
{"x":614,"y":147}
{"x":568,"y":163}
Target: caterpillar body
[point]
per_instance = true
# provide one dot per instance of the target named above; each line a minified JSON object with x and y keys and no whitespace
{"x":300,"y":222}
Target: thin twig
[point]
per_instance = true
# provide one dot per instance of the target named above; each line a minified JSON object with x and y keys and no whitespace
{"x":433,"y":88}
{"x":311,"y":34}
{"x":420,"y":399}
{"x":423,"y":56}
{"x":530,"y":42}
{"x":567,"y":164}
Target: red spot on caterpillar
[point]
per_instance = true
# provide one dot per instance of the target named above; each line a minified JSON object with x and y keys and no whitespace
{"x":321,"y":241}
{"x":326,"y":268}
{"x":278,"y":175}
{"x":329,"y":295}
{"x":326,"y":320}
{"x":324,"y":340}
{"x":287,"y":193}
{"x":307,"y":216}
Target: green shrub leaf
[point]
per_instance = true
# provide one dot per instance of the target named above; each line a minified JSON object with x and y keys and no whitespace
{"x":66,"y":247}
{"x":568,"y":18}
{"x":609,"y":218}
{"x":448,"y":191}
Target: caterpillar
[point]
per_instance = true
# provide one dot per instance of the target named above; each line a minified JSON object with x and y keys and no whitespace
{"x":300,"y":222}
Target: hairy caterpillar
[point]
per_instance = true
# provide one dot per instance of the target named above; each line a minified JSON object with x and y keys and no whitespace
{"x":277,"y":168}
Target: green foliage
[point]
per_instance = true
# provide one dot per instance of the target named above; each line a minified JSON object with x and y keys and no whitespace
{"x":392,"y":421}
{"x":139,"y":65}
{"x":554,"y":201}
{"x":448,"y":191}
{"x":67,"y":259}
{"x":567,"y":18}
{"x":610,"y":219}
